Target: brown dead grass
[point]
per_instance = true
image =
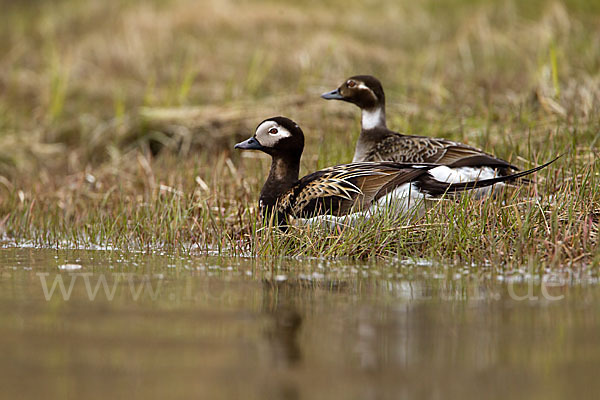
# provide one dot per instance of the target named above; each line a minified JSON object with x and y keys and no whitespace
{"x":106,"y":106}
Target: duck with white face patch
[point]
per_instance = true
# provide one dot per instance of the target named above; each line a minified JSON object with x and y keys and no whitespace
{"x":376,"y":142}
{"x":343,"y":189}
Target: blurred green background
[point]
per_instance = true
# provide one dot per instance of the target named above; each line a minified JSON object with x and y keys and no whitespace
{"x":81,"y":81}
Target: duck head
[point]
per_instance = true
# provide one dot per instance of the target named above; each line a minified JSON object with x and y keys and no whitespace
{"x":363,"y":90}
{"x":280,"y":137}
{"x":283,"y":140}
{"x":366,"y":92}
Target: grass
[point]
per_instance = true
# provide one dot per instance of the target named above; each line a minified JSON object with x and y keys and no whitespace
{"x":117,"y":121}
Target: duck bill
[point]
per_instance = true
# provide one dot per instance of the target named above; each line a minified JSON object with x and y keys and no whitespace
{"x":250,"y":144}
{"x":333,"y":95}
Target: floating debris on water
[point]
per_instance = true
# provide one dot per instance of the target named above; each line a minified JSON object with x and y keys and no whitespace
{"x":69,"y":267}
{"x":417,"y":262}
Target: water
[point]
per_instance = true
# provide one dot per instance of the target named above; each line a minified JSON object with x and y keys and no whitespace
{"x":202,"y":327}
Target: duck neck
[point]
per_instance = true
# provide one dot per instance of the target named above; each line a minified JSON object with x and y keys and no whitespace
{"x":373,"y":117}
{"x":282,"y":176}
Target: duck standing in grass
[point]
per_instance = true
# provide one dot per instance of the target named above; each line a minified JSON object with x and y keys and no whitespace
{"x":343,"y":189}
{"x":459,"y":162}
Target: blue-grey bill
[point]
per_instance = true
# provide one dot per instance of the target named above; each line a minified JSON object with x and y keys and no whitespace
{"x":250,"y":144}
{"x":333,"y":95}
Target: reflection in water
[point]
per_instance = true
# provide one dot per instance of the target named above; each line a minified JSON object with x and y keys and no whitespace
{"x":282,"y":338}
{"x":221,"y":328}
{"x":278,"y":302}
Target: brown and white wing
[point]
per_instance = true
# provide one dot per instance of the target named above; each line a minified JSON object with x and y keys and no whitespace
{"x":419,"y":149}
{"x":347,"y":188}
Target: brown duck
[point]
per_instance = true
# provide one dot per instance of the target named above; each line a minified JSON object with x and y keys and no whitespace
{"x":342,"y":189}
{"x":378,"y":143}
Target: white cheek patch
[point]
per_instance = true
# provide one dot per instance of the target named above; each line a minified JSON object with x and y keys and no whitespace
{"x":268,"y":139}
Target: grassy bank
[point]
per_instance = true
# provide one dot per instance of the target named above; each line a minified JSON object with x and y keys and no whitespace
{"x":117,"y":120}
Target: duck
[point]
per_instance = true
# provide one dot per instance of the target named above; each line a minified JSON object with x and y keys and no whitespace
{"x":458,"y":162}
{"x":344,"y":189}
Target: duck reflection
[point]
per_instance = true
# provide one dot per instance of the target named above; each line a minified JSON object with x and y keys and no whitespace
{"x":282,"y":333}
{"x":281,"y":336}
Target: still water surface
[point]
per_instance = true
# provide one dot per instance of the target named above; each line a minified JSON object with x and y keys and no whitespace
{"x":134,"y":326}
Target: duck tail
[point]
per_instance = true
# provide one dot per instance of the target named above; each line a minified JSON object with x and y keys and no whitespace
{"x":462,"y":186}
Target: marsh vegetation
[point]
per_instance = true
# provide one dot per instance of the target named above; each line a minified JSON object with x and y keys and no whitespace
{"x":118,"y":119}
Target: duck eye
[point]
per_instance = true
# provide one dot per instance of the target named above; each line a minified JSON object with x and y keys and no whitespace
{"x":351,"y":84}
{"x":273,"y":131}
